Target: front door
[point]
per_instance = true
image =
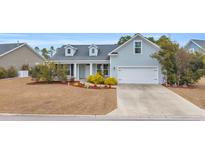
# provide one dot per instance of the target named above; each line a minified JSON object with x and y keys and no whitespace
{"x":87,"y":70}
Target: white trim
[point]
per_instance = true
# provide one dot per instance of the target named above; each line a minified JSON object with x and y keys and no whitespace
{"x":70,"y":46}
{"x":135,"y":47}
{"x":75,"y":71}
{"x":113,"y":55}
{"x":78,"y":72}
{"x":91,"y":68}
{"x":110,"y":67}
{"x":197,"y":45}
{"x":81,"y":61}
{"x":12,"y":50}
{"x":136,"y":35}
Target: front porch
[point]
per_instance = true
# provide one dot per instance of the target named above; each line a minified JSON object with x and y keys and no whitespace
{"x":80,"y":71}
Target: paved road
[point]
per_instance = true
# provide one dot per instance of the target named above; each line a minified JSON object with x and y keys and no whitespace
{"x":154,"y":101}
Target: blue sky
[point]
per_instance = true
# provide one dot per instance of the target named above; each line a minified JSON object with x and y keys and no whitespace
{"x":57,"y":39}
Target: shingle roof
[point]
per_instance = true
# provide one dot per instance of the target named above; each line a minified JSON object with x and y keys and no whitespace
{"x":82,"y":52}
{"x":7,"y":47}
{"x":201,"y":43}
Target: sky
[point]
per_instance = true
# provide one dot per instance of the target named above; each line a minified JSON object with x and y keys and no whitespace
{"x":45,"y":40}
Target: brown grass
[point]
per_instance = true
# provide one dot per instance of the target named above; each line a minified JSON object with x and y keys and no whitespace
{"x":196,"y":95}
{"x":17,"y":96}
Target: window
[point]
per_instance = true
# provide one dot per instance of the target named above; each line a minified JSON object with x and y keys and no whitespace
{"x":68,"y":51}
{"x":103,"y":69}
{"x":99,"y":68}
{"x":137,"y":47}
{"x":93,"y":51}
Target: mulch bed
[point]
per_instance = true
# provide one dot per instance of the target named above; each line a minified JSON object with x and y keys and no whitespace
{"x":71,"y":83}
{"x":45,"y":82}
{"x":81,"y":85}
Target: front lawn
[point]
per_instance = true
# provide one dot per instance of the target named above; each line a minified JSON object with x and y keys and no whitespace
{"x":17,"y":96}
{"x":196,"y":95}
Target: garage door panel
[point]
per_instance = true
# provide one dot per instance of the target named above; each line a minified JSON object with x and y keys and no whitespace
{"x":141,"y":75}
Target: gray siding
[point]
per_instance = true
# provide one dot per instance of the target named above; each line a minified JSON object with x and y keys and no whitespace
{"x":191,"y":45}
{"x":127,"y":57}
{"x":17,"y":58}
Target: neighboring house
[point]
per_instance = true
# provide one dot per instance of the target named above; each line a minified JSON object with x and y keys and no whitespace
{"x":17,"y":54}
{"x":195,"y":45}
{"x":130,"y":62}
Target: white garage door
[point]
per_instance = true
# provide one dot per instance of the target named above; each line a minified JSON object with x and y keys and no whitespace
{"x":141,"y":75}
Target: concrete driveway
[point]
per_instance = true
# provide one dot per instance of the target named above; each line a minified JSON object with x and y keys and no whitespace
{"x":154,"y":102}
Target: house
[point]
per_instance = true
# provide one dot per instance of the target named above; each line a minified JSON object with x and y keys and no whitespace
{"x":17,"y":54}
{"x":195,"y":45}
{"x":130,"y":62}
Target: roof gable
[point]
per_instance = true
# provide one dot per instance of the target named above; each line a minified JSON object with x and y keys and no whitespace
{"x":10,"y":47}
{"x":199,"y":43}
{"x":70,"y":46}
{"x":114,"y":52}
{"x":93,"y":46}
{"x":4,"y":48}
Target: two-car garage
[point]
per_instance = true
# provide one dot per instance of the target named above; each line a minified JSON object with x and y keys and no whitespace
{"x":138,"y":75}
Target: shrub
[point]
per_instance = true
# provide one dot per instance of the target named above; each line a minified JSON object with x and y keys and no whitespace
{"x":62,"y":73}
{"x":46,"y":73}
{"x":49,"y":72}
{"x":12,"y":72}
{"x":179,"y":66}
{"x":96,"y":79}
{"x":25,"y":67}
{"x":3,"y":73}
{"x":110,"y":81}
{"x":35,"y":72}
{"x":90,"y":78}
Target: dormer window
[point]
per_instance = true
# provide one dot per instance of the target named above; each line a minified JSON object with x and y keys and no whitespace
{"x":70,"y":50}
{"x":93,"y":50}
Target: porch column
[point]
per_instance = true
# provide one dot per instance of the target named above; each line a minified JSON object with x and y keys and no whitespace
{"x":75,"y":70}
{"x":91,"y":68}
